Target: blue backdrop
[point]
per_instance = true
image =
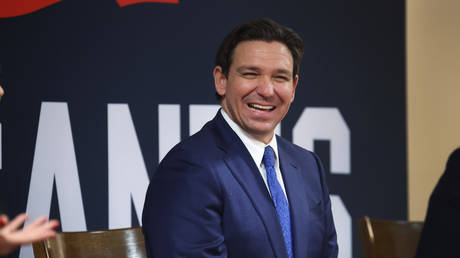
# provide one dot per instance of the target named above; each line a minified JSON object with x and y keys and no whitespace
{"x":89,"y":85}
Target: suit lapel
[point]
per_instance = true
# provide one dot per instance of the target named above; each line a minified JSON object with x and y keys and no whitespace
{"x":247,"y":174}
{"x":298,"y":202}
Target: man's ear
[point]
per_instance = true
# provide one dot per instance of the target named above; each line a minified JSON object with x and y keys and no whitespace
{"x":220,"y":81}
{"x":294,"y":86}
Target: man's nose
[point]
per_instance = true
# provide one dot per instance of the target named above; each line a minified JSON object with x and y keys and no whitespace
{"x":265,"y":87}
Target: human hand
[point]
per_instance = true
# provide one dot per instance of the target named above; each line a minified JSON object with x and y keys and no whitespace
{"x":11,"y":236}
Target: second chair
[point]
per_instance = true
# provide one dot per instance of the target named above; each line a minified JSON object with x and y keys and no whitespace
{"x":388,"y":239}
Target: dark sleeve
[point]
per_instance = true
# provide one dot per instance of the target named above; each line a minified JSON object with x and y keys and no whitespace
{"x":183,"y":211}
{"x":442,"y":225}
{"x":330,"y":249}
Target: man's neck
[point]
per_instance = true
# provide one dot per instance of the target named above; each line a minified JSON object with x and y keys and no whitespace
{"x":265,"y":139}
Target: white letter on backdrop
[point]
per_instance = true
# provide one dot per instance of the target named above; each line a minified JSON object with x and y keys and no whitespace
{"x":54,"y":159}
{"x":168,"y":128}
{"x":128,"y":178}
{"x":325,"y":124}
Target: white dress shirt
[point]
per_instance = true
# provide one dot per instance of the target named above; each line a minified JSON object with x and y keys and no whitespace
{"x":256,"y":148}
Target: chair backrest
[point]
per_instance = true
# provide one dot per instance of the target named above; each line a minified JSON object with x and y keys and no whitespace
{"x":388,"y":238}
{"x":123,"y":243}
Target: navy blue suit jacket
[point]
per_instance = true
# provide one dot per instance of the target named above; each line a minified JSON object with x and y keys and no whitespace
{"x":207,"y":199}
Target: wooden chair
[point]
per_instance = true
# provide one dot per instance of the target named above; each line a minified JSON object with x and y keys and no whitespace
{"x":123,"y":243}
{"x":388,"y":239}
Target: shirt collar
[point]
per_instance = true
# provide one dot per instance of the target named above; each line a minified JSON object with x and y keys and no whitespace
{"x":255,"y":147}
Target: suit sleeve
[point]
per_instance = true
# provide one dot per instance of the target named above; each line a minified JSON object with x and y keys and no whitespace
{"x":330,"y":249}
{"x":183,"y":211}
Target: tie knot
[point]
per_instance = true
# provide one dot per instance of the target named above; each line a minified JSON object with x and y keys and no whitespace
{"x":269,"y":157}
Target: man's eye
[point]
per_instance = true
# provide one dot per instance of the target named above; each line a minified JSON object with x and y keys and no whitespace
{"x":281,"y":78}
{"x":250,"y":75}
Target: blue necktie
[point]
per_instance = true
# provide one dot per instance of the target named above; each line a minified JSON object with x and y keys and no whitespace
{"x":279,"y":199}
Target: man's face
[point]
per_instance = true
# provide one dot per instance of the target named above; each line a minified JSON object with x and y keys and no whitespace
{"x":259,"y":88}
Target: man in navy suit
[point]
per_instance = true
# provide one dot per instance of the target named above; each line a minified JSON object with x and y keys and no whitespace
{"x":234,"y":189}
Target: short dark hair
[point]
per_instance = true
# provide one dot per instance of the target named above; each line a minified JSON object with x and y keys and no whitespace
{"x":264,"y":29}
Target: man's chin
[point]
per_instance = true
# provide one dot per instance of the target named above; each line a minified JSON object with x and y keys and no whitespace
{"x":261,"y":134}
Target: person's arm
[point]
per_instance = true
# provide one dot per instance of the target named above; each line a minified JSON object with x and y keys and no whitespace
{"x":183,"y":212}
{"x":11,"y":236}
{"x":441,"y":227}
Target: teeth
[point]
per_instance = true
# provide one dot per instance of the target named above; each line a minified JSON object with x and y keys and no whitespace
{"x":261,"y":107}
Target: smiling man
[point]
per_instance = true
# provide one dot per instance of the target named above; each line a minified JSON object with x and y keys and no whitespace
{"x":258,"y":88}
{"x":234,"y":189}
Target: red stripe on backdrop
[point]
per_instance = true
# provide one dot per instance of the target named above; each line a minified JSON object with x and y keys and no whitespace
{"x":123,"y":3}
{"x":12,"y":8}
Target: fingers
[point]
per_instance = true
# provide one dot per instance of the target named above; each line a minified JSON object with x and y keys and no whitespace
{"x":3,"y":220}
{"x":16,"y":222}
{"x":53,"y":224}
{"x":48,"y":228}
{"x":38,"y":221}
{"x":37,"y":230}
{"x":43,"y":223}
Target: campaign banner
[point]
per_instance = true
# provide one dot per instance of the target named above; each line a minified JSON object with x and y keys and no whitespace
{"x":97,"y":92}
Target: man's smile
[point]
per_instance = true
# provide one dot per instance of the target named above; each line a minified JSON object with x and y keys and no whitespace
{"x":258,"y":107}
